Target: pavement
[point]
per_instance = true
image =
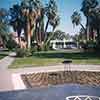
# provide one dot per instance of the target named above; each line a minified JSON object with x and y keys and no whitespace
{"x":61,"y":67}
{"x":59,"y":92}
{"x":5,"y":75}
{"x":10,"y":79}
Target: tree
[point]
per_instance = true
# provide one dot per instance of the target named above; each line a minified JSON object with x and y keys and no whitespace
{"x":39,"y":29}
{"x":31,"y":11}
{"x":3,"y":27}
{"x":82,"y":34}
{"x":55,"y":22}
{"x":58,"y":34}
{"x":76,"y":19}
{"x":95,"y":22}
{"x":16,"y":20}
{"x":24,"y":16}
{"x":51,"y":13}
{"x":29,"y":15}
{"x":87,"y":5}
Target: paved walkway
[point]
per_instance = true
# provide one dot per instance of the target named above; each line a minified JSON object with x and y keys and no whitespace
{"x":5,"y":75}
{"x":5,"y":62}
{"x":59,"y":92}
{"x":16,"y":73}
{"x":11,"y":79}
{"x":71,"y":67}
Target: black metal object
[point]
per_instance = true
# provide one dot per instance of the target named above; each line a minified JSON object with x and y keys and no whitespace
{"x":67,"y":61}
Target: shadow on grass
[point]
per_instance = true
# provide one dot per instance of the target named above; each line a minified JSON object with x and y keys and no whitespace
{"x":3,"y":54}
{"x":65,"y":55}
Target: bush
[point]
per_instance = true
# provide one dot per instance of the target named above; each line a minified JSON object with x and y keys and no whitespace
{"x":34,"y":49}
{"x":11,"y":44}
{"x":89,"y":46}
{"x":37,"y":48}
{"x":23,"y":52}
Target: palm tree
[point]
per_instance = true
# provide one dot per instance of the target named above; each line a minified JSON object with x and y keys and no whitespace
{"x":51,"y":13}
{"x":76,"y":19}
{"x":29,"y":16}
{"x":87,"y":5}
{"x":54,"y":22}
{"x":16,"y":20}
{"x":95,"y":22}
{"x":60,"y":35}
{"x":39,"y":29}
{"x":3,"y":27}
{"x":82,"y":34}
{"x":31,"y":12}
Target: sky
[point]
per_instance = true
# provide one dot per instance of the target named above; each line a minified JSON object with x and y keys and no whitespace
{"x":65,"y":10}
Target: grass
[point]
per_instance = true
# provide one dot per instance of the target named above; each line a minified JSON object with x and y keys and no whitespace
{"x":3,"y":54}
{"x":56,"y":57}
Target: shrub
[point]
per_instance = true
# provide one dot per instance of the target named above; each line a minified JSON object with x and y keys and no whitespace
{"x":23,"y":52}
{"x":34,"y":49}
{"x":89,"y":46}
{"x":11,"y":44}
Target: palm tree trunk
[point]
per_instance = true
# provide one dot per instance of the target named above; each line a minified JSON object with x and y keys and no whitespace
{"x":40,"y":36}
{"x":46,"y":25}
{"x":83,"y":27}
{"x":98,"y":36}
{"x":28,"y":34}
{"x":45,"y":37}
{"x":19,"y":37}
{"x":42,"y":30}
{"x":50,"y":36}
{"x":88,"y":29}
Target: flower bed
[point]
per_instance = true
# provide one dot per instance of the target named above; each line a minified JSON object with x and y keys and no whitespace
{"x":55,"y":78}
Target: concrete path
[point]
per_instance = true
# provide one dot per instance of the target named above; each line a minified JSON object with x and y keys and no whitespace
{"x":16,"y":73}
{"x":5,"y":62}
{"x":71,"y":67}
{"x":10,"y":79}
{"x":5,"y":75}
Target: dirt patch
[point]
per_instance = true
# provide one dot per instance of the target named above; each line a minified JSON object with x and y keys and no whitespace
{"x":55,"y":78}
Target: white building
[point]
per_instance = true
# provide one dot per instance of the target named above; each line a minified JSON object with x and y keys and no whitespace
{"x":63,"y":44}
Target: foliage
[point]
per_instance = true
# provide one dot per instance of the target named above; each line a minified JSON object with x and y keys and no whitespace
{"x":91,"y":19}
{"x":45,"y":58}
{"x":91,"y":10}
{"x":87,"y":5}
{"x":3,"y":26}
{"x":58,"y":34}
{"x":76,"y":19}
{"x":20,"y":52}
{"x":11,"y":44}
{"x":34,"y":49}
{"x":89,"y":46}
{"x":29,"y":15}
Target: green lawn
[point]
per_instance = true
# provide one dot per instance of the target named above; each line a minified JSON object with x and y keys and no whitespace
{"x":56,"y":57}
{"x":3,"y":54}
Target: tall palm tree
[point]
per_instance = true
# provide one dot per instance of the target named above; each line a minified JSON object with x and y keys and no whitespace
{"x":16,"y":20}
{"x":51,"y":13}
{"x":87,"y":5}
{"x":76,"y":19}
{"x":95,"y":22}
{"x":82,"y":34}
{"x":60,"y":35}
{"x":3,"y":27}
{"x":31,"y":12}
{"x":54,"y":22}
{"x":39,"y":29}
